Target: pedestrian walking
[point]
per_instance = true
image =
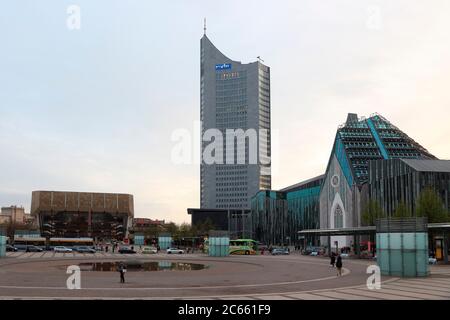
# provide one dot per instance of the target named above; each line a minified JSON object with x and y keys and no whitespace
{"x":339,"y":265}
{"x":332,"y":260}
{"x":122,"y":270}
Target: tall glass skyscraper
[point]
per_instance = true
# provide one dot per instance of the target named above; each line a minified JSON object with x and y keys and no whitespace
{"x":233,"y":96}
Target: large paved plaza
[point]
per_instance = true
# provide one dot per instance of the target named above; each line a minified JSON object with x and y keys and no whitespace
{"x":43,"y":276}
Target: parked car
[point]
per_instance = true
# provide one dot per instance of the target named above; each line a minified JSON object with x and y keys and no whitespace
{"x":310,"y":249}
{"x":21,"y":247}
{"x":62,"y":249}
{"x":149,"y":250}
{"x":175,"y":250}
{"x":11,"y":248}
{"x":278,"y":251}
{"x":33,"y":249}
{"x":84,"y":249}
{"x":126,"y":250}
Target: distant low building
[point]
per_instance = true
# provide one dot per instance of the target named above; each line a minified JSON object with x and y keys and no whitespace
{"x":13,"y":214}
{"x":4,"y":220}
{"x":102,"y":216}
{"x":145,"y":222}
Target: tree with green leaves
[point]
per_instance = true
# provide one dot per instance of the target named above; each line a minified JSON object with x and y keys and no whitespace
{"x":402,"y":210}
{"x":185,"y":230}
{"x":204,"y":227}
{"x":429,"y":204}
{"x":372,"y":212}
{"x":171,"y":228}
{"x":151,"y":231}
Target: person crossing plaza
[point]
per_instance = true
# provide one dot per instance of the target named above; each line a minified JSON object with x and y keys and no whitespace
{"x":339,"y":265}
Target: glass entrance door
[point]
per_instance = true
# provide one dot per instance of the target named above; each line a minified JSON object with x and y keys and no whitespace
{"x":439,"y":249}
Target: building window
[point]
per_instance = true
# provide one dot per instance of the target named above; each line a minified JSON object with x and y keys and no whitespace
{"x":338,"y":218}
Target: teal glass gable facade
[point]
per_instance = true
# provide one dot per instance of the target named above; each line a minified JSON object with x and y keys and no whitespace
{"x":344,"y":192}
{"x":277,"y":216}
{"x":360,"y":140}
{"x":343,"y":161}
{"x":377,"y":139}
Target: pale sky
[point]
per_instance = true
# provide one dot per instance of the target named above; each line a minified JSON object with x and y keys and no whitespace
{"x":94,"y":109}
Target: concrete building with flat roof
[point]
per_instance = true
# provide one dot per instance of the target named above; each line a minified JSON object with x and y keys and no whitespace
{"x":101,"y":216}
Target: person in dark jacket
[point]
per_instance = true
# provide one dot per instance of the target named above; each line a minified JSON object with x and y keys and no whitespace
{"x":332,"y":260}
{"x":339,"y":265}
{"x":122,"y":271}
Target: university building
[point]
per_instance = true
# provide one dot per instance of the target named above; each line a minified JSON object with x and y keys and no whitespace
{"x":345,"y":190}
{"x":277,"y":216}
{"x":371,"y":159}
{"x":402,"y":180}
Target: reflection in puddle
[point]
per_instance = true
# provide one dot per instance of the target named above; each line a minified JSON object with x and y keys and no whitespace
{"x":141,"y":266}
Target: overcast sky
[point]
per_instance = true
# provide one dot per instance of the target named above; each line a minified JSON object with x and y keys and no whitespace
{"x":94,"y":109}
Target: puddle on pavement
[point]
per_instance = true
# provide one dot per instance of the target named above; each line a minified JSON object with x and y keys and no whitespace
{"x":141,"y":266}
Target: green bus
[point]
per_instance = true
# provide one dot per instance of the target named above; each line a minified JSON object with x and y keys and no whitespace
{"x":243,"y":246}
{"x":238,"y":246}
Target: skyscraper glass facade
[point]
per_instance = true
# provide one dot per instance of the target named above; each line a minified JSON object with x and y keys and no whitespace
{"x":233,"y":96}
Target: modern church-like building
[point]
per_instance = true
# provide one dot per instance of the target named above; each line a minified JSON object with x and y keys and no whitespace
{"x":233,"y":96}
{"x":344,"y":190}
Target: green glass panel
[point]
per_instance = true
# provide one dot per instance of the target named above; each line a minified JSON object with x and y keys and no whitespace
{"x":395,"y":241}
{"x":403,"y":254}
{"x":2,"y":246}
{"x":409,"y":241}
{"x":218,"y":246}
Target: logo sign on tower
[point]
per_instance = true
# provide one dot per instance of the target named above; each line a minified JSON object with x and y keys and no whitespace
{"x":223,"y":66}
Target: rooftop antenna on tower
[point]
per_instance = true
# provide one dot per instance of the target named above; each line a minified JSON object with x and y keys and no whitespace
{"x":259,"y":58}
{"x":204,"y":26}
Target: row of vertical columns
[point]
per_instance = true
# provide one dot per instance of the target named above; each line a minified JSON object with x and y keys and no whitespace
{"x":445,"y":245}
